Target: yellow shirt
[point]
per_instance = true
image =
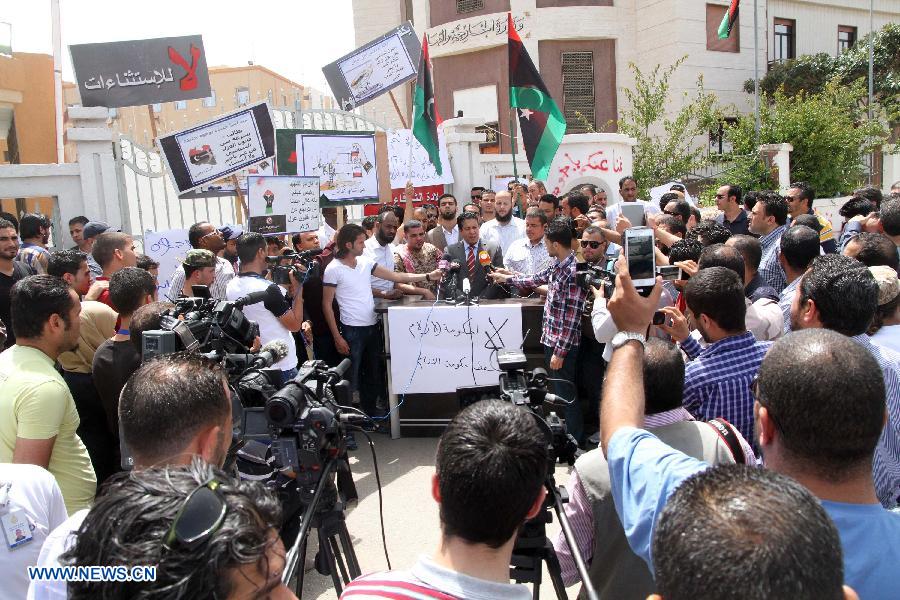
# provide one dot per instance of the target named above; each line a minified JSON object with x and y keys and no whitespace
{"x":98,"y":324}
{"x":35,"y":404}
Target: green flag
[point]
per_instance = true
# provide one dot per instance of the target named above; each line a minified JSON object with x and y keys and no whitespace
{"x":728,"y":20}
{"x":425,"y":114}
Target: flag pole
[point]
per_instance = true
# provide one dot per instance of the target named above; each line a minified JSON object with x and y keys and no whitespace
{"x":512,"y":142}
{"x":756,"y":70}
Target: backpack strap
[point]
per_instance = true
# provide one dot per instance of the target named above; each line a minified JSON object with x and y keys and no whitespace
{"x":729,"y":436}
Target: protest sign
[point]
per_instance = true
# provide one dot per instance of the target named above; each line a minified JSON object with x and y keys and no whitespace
{"x":137,"y":72}
{"x":374,"y":68}
{"x":283,"y":204}
{"x":220,"y":147}
{"x":437,"y":350}
{"x":345,"y":164}
{"x":168,"y":248}
{"x":422,"y":172}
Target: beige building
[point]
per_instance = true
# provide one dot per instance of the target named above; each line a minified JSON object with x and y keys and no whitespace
{"x":583,"y":48}
{"x":232,"y":87}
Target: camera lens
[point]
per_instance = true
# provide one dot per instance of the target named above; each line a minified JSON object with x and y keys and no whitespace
{"x":280,"y":411}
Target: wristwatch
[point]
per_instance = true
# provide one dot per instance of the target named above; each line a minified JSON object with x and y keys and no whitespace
{"x":622,"y":337}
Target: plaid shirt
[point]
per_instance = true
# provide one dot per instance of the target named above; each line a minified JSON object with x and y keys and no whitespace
{"x":564,"y":305}
{"x":886,"y":466}
{"x":769,"y":267}
{"x":718,"y":382}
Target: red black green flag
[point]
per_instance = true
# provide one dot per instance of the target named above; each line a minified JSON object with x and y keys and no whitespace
{"x":728,"y":20}
{"x":425,"y":113}
{"x":541,"y":122}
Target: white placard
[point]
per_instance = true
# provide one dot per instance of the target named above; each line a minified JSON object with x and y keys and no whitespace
{"x":377,"y":68}
{"x":422,"y":172}
{"x":657,"y":192}
{"x":283,"y":204}
{"x":168,"y":248}
{"x":455,"y":347}
{"x":344,"y":164}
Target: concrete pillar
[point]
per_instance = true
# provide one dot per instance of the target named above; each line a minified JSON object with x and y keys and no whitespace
{"x":465,"y":154}
{"x":778,"y":159}
{"x":97,"y":167}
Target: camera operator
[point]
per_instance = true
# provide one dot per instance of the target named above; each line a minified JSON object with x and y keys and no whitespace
{"x":205,"y":236}
{"x":490,"y":468}
{"x":277,"y":318}
{"x":199,"y":269}
{"x":562,"y":316}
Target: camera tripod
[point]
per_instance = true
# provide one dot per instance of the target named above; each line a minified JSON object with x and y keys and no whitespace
{"x":336,"y":551}
{"x":533,"y":547}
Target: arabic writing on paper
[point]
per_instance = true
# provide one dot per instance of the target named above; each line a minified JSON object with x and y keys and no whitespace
{"x":422,"y":171}
{"x":344,"y":164}
{"x":377,"y":68}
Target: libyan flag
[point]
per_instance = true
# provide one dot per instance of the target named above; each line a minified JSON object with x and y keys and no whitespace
{"x":541,"y":122}
{"x":425,"y":114}
{"x":728,"y":20}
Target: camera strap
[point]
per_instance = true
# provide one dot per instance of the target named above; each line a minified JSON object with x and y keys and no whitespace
{"x":728,"y":434}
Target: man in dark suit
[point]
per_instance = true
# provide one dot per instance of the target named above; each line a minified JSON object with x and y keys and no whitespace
{"x":467,"y":253}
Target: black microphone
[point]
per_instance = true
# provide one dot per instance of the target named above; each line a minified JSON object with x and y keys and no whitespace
{"x":251,"y":298}
{"x":270,"y":354}
{"x":337,"y":373}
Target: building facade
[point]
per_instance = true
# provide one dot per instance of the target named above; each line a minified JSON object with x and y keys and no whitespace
{"x":232,"y":88}
{"x":583,"y":49}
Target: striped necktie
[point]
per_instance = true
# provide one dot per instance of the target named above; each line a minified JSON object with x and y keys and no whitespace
{"x":470,"y":261}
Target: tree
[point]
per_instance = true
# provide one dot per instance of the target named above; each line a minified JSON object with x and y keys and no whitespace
{"x":666,"y":147}
{"x":828,"y":130}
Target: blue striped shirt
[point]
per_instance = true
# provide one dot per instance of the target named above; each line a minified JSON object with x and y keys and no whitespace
{"x":886,"y":466}
{"x":769,"y":267}
{"x":786,"y":299}
{"x":717,"y":383}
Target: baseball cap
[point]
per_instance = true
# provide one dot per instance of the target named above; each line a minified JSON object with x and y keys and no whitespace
{"x":199,"y":258}
{"x":95,"y":228}
{"x":231,"y":232}
{"x":888,"y":285}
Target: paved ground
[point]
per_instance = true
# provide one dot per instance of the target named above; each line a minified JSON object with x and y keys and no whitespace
{"x":410,"y":514}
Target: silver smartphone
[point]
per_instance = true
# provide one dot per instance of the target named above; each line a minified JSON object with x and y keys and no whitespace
{"x":640,"y":255}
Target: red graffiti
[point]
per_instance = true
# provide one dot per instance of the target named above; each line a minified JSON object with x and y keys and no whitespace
{"x":594,"y":162}
{"x":189,"y":81}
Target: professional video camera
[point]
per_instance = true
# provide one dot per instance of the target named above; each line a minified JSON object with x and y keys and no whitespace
{"x":588,"y":275}
{"x":301,"y":264}
{"x":528,"y":389}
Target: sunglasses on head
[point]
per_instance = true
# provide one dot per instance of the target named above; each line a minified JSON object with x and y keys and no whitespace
{"x":593,"y":244}
{"x":201,"y":515}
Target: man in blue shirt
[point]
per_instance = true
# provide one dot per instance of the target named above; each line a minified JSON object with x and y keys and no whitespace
{"x":819,"y":411}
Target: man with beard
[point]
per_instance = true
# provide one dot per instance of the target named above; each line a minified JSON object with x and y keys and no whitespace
{"x":719,"y":378}
{"x":11,"y":271}
{"x":38,"y":417}
{"x":447,"y":231}
{"x":504,"y":228}
{"x":380,"y":248}
{"x":416,"y":256}
{"x":536,"y":189}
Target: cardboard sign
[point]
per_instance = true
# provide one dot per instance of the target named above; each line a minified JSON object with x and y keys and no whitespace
{"x":374,"y":68}
{"x":138,"y":72}
{"x":345,"y":165}
{"x":283,"y":204}
{"x":218,"y":148}
{"x":420,"y":170}
{"x":168,"y":248}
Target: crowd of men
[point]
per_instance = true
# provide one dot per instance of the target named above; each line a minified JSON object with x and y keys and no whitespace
{"x":740,"y":422}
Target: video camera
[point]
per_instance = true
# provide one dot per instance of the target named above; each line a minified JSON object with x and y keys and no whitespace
{"x":290,"y":262}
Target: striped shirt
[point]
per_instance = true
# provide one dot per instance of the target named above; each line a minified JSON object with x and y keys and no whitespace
{"x":527,"y":258}
{"x":786,"y":299}
{"x":224,"y":274}
{"x":886,"y":466}
{"x":428,"y":580}
{"x":769,"y":267}
{"x":718,"y":379}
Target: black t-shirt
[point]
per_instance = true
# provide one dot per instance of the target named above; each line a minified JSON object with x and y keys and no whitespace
{"x":114,"y":362}
{"x":20,"y":271}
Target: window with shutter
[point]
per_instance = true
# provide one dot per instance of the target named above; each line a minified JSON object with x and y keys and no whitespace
{"x":467,"y":6}
{"x":578,"y":91}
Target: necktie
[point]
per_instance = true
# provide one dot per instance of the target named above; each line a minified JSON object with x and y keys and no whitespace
{"x":470,"y":261}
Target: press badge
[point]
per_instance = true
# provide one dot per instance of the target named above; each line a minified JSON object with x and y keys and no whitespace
{"x":16,"y":528}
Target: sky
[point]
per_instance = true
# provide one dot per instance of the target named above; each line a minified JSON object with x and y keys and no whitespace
{"x":293,"y":38}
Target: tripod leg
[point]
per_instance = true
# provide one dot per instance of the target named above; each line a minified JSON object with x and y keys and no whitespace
{"x":325,"y":547}
{"x":299,"y":587}
{"x":555,"y":573}
{"x":349,"y":552}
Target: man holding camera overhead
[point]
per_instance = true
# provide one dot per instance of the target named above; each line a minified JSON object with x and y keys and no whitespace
{"x":277,"y":317}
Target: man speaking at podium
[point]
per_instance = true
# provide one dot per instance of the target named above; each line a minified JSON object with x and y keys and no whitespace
{"x":475,"y":257}
{"x":562,"y":316}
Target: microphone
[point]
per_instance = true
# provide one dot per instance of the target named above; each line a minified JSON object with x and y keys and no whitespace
{"x":270,"y":354}
{"x":309,"y":253}
{"x":485,"y":260}
{"x":466,"y":286}
{"x":251,"y":298}
{"x":443,"y":265}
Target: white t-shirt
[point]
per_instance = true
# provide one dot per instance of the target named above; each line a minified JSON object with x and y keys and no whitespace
{"x":353,"y":290}
{"x":35,"y":497}
{"x":384,"y":256}
{"x":59,"y":540}
{"x":264,"y":313}
{"x":503,"y":234}
{"x":888,"y":337}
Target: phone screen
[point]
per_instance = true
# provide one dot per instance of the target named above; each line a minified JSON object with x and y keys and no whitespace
{"x":640,"y":256}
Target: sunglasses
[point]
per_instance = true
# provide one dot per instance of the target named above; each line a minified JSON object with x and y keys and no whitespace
{"x":594,"y":245}
{"x":671,"y":213}
{"x":201,"y":515}
{"x":478,"y":197}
